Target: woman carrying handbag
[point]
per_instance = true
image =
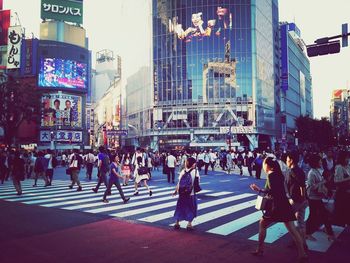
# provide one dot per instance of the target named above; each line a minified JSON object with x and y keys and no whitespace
{"x":280,"y":211}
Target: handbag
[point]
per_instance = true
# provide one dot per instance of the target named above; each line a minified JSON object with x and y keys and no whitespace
{"x":264,"y":202}
{"x":142,"y":170}
{"x":196,"y":187}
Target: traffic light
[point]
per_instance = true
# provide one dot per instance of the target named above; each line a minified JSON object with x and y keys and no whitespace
{"x":323,"y":47}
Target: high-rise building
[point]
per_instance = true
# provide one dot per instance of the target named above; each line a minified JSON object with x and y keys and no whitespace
{"x":339,"y":112}
{"x":108,"y":70}
{"x":215,"y":67}
{"x":64,"y":75}
{"x":296,"y":83}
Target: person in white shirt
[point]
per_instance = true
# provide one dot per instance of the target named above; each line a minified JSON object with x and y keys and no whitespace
{"x":90,"y":160}
{"x":200,"y":160}
{"x":212,"y":159}
{"x":171,"y":162}
{"x":206,"y":162}
{"x":49,"y":170}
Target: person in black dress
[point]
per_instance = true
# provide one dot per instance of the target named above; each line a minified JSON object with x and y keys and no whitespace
{"x":281,"y":210}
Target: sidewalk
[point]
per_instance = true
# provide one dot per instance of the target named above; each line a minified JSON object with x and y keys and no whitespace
{"x":38,"y":234}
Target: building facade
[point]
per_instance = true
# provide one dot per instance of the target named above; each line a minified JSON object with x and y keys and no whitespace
{"x":63,"y":77}
{"x":339,"y":113}
{"x":215,"y":67}
{"x":296,"y":83}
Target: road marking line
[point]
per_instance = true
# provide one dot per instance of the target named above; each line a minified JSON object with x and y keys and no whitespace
{"x":148,"y":209}
{"x":221,"y":212}
{"x":159,"y":192}
{"x":236,"y":224}
{"x":165,"y":215}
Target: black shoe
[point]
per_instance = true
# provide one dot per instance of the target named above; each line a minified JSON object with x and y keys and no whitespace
{"x":19,"y":193}
{"x":109,"y":193}
{"x":70,"y":187}
{"x":80,"y":189}
{"x":126,"y":200}
{"x":105,"y":201}
{"x":176,"y":226}
{"x":94,"y":190}
{"x":136,"y":193}
{"x":189,"y":228}
{"x":150,"y":193}
{"x":34,"y":185}
{"x":173,"y":182}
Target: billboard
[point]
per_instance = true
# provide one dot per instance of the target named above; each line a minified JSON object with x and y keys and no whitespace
{"x":199,"y":28}
{"x":60,"y":109}
{"x":61,"y":136}
{"x":4,"y":26}
{"x":62,"y":73}
{"x":29,"y":57}
{"x":14,"y":47}
{"x":62,"y":10}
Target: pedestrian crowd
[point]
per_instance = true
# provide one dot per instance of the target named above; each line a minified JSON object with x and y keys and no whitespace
{"x":294,"y":181}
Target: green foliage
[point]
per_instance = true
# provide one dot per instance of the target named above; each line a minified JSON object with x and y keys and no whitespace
{"x":19,"y":101}
{"x":319,"y":132}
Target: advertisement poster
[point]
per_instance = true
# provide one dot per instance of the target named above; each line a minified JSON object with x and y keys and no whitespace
{"x":14,"y":47}
{"x":62,"y":73}
{"x":201,"y":27}
{"x":60,"y":109}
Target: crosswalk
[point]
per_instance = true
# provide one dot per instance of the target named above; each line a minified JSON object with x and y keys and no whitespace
{"x":219,"y":212}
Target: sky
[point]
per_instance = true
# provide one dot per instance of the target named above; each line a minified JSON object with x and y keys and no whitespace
{"x":123,"y":26}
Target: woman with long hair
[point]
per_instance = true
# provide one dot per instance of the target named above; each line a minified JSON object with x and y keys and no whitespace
{"x":141,"y":176}
{"x":281,"y":210}
{"x":186,"y":207}
{"x":316,"y":191}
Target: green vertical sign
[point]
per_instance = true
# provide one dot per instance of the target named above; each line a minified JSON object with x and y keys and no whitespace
{"x":62,"y":10}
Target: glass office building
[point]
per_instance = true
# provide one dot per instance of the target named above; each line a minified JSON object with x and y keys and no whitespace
{"x":296,"y":85}
{"x":215,"y":66}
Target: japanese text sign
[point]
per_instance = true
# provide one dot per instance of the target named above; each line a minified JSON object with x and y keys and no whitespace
{"x":62,"y":10}
{"x":14,"y":47}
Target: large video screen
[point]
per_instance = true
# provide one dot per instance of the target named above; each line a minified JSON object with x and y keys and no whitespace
{"x":202,"y":26}
{"x":62,"y":73}
{"x":61,"y":110}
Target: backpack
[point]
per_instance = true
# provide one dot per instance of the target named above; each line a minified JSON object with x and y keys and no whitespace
{"x":105,"y":163}
{"x":185,"y":184}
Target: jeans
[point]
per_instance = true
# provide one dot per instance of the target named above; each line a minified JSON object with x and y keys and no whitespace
{"x":111,"y":182}
{"x":206,"y":166}
{"x":171,"y":172}
{"x":101,"y":179}
{"x":17,"y":185}
{"x":89,"y":167}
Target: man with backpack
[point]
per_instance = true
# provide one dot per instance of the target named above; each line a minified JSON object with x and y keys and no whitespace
{"x":75,"y":162}
{"x":103,"y":168}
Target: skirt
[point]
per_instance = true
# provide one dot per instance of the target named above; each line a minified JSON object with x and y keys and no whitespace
{"x":140,"y":178}
{"x":186,"y":208}
{"x":281,"y":211}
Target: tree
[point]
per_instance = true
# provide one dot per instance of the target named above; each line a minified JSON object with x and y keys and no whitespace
{"x":319,"y":132}
{"x":19,"y":101}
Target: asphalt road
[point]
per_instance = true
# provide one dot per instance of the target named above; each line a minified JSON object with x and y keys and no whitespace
{"x":56,"y":224}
